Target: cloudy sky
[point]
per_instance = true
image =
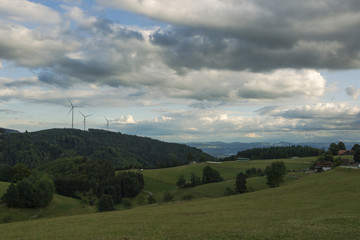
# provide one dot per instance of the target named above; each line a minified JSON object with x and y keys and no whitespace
{"x":184,"y":70}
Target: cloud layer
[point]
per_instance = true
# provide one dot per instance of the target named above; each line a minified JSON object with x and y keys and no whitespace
{"x":195,"y":72}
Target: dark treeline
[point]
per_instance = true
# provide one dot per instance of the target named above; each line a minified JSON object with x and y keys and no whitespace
{"x":123,"y":151}
{"x":80,"y":176}
{"x":276,"y":153}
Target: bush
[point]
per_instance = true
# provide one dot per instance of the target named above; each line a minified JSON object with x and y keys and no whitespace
{"x":127,"y":203}
{"x":229,"y":191}
{"x":7,"y":219}
{"x":105,"y":203}
{"x":168,"y":197}
{"x":181,"y":181}
{"x":151,"y":199}
{"x":187,"y":197}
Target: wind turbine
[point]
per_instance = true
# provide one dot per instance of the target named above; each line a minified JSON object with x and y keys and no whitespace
{"x":71,"y":110}
{"x":85,"y":116}
{"x":107,"y":123}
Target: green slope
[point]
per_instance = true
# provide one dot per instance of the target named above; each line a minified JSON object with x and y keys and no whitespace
{"x":59,"y":206}
{"x":159,"y":180}
{"x":320,"y":206}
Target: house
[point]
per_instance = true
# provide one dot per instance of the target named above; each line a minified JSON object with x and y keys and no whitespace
{"x":345,"y":152}
{"x":321,"y":166}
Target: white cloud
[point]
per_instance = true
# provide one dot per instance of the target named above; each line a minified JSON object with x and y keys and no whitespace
{"x":27,"y":11}
{"x":32,"y":48}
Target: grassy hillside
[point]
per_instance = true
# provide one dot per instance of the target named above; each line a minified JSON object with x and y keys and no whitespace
{"x":320,"y":206}
{"x":159,"y":180}
{"x":60,"y":206}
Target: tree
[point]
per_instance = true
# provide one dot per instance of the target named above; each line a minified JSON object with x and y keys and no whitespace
{"x":211,"y":175}
{"x":357,"y":155}
{"x":181,"y":181}
{"x":275,"y":174}
{"x":20,"y":172}
{"x":11,"y":196}
{"x":334,"y":148}
{"x":105,"y":203}
{"x":189,"y":158}
{"x":341,"y":146}
{"x":6,"y":173}
{"x":30,"y":192}
{"x":240,"y":184}
{"x":195,"y":180}
{"x":355,"y":146}
{"x":327,"y":156}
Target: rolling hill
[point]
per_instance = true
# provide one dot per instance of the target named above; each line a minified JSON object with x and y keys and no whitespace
{"x":124,"y":151}
{"x":318,"y":206}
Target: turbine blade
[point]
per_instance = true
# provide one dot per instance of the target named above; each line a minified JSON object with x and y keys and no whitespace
{"x":71,"y":103}
{"x":72,"y":109}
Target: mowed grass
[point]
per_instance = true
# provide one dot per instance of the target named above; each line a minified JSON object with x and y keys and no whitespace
{"x":159,"y":180}
{"x":319,"y":206}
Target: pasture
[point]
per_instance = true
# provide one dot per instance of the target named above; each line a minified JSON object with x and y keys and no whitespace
{"x":319,"y":206}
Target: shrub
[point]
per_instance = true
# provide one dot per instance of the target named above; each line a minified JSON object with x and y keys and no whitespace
{"x":181,"y":181}
{"x":105,"y":203}
{"x":187,"y":197}
{"x":127,"y":203}
{"x":151,"y":199}
{"x":229,"y":191}
{"x":7,"y":219}
{"x":167,"y":197}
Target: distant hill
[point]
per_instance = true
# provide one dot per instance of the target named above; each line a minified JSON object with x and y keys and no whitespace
{"x":5,"y":130}
{"x":221,"y":149}
{"x":124,"y":151}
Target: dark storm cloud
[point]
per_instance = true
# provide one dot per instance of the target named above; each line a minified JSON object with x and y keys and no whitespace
{"x":214,"y":48}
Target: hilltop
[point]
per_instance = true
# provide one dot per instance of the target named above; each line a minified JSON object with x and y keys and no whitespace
{"x":124,"y":151}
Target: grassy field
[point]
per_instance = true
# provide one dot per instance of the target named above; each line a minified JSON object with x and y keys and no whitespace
{"x":319,"y":206}
{"x":159,"y":180}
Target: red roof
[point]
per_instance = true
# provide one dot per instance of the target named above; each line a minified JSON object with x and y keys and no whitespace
{"x":323,"y":163}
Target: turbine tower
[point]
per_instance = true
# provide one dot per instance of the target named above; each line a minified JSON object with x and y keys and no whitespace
{"x":72,"y":113}
{"x":107,"y":123}
{"x":85,"y":116}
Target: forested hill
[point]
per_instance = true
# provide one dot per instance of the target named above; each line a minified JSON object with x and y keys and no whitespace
{"x":124,"y":151}
{"x":276,"y":152}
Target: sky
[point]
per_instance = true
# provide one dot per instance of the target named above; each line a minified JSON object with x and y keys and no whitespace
{"x":184,"y":71}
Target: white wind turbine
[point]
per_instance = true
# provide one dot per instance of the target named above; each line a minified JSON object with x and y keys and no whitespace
{"x":72,"y":113}
{"x":85,"y":116}
{"x":107,"y":123}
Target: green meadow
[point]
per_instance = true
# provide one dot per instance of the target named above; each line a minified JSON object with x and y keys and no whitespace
{"x":318,"y":206}
{"x":159,"y":180}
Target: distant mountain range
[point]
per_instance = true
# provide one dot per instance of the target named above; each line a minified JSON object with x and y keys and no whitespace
{"x":221,"y":149}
